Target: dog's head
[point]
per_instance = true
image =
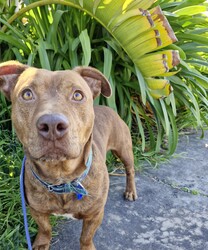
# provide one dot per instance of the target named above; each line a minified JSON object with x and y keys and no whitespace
{"x":52,"y":112}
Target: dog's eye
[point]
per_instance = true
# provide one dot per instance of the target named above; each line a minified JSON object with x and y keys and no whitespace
{"x":78,"y":96}
{"x":27,"y":95}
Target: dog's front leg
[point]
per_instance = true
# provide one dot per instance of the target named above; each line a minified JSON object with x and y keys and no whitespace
{"x":90,"y":225}
{"x":42,"y":240}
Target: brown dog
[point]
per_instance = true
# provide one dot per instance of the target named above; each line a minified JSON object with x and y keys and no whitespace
{"x":56,"y":122}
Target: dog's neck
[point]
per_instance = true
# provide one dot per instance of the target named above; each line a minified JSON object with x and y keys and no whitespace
{"x":59,"y":172}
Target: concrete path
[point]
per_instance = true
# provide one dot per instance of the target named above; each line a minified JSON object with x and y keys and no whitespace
{"x":170,"y":213}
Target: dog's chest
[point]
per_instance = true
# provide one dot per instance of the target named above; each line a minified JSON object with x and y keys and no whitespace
{"x":68,"y":216}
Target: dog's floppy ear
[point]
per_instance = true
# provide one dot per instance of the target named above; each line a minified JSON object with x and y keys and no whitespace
{"x":97,"y":82}
{"x":9,"y":73}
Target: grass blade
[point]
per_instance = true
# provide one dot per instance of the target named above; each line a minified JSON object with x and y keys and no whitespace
{"x":86,"y":47}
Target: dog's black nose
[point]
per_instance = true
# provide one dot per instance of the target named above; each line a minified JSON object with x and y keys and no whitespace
{"x":52,"y":126}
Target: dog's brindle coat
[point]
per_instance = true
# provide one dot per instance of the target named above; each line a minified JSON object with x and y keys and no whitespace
{"x":57,"y":124}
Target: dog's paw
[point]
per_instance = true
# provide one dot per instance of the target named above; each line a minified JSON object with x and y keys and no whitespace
{"x":41,"y":247}
{"x":87,"y":247}
{"x":130,"y":195}
{"x":42,"y":241}
{"x":41,"y":244}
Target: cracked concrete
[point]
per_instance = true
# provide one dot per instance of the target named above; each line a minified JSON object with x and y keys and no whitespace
{"x":170,"y":213}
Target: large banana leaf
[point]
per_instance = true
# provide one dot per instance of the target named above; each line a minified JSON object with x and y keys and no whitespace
{"x":142,"y":33}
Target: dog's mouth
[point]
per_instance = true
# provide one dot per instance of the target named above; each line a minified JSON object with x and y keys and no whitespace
{"x":53,"y":158}
{"x":54,"y":153}
{"x":49,"y":156}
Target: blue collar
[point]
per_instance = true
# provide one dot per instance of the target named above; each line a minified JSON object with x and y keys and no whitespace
{"x":74,"y":186}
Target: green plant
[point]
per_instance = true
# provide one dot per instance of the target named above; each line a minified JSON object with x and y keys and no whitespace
{"x":44,"y":40}
{"x":11,"y":223}
{"x":189,"y":20}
